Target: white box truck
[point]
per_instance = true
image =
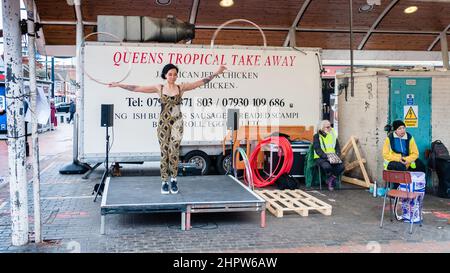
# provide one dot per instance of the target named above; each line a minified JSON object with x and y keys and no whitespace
{"x":269,"y":86}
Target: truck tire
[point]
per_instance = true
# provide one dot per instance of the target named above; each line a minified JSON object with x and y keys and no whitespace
{"x":200,"y":158}
{"x":223,"y":163}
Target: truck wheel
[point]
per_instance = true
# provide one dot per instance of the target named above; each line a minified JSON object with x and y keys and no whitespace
{"x":200,"y":158}
{"x":223,"y":163}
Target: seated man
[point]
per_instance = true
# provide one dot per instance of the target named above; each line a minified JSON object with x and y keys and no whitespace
{"x":326,"y":145}
{"x":400,"y":151}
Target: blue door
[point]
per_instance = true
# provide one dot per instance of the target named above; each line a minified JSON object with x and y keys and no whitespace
{"x":410,"y":101}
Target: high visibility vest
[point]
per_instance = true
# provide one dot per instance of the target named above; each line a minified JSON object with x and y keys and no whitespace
{"x":391,"y":147}
{"x":327,"y":143}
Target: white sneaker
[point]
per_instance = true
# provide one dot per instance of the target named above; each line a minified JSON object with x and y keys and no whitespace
{"x":173,"y":186}
{"x":165,"y":187}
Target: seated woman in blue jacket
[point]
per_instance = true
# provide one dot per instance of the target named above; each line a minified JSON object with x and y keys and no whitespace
{"x":400,"y":152}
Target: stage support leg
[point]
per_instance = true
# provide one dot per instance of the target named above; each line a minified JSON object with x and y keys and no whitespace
{"x":102,"y":225}
{"x":183,"y":220}
{"x":188,"y":217}
{"x":263,"y":217}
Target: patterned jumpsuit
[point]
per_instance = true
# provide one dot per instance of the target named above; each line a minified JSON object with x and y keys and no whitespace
{"x":170,"y":133}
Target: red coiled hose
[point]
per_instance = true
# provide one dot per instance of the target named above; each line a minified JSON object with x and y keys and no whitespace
{"x":286,"y":151}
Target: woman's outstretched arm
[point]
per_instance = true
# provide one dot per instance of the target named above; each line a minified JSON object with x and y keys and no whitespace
{"x":192,"y":85}
{"x":136,"y":88}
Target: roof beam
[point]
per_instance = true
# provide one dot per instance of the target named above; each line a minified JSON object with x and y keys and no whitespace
{"x":297,"y":20}
{"x":376,"y":23}
{"x":78,"y":15}
{"x":69,"y":23}
{"x":193,"y":16}
{"x":437,"y":38}
{"x":300,"y":29}
{"x":382,"y":57}
{"x":194,"y":11}
{"x":242,"y":28}
{"x":40,"y":39}
{"x":365,"y":31}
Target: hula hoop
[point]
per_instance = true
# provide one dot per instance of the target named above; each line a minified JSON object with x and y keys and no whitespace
{"x":248,"y":171}
{"x":126,"y":50}
{"x":233,"y":21}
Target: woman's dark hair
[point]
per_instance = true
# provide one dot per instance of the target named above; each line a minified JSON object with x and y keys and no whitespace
{"x":166,"y":69}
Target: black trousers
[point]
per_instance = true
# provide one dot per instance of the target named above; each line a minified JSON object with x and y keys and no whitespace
{"x":330,"y":169}
{"x":397,"y":166}
{"x":71,"y":116}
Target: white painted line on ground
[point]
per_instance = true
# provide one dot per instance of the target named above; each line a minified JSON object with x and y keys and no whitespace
{"x":2,"y":205}
{"x":317,"y":192}
{"x":67,"y":197}
{"x":48,"y":167}
{"x":59,"y":183}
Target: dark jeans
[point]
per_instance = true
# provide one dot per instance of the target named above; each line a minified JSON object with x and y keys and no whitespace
{"x":71,"y":116}
{"x":397,"y":166}
{"x":330,"y":169}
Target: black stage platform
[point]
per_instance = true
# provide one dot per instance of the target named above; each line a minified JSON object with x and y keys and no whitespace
{"x":213,"y":193}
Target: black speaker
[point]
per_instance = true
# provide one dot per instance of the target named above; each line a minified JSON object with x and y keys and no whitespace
{"x":107,"y":119}
{"x":233,"y":119}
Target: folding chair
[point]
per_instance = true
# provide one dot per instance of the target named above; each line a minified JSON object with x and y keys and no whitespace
{"x":400,"y":178}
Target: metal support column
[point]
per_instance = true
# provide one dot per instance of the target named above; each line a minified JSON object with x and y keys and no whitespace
{"x":34,"y":122}
{"x":76,"y":167}
{"x":444,"y":50}
{"x":15,"y":120}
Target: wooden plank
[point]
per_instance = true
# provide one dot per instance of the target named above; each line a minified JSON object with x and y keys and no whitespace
{"x":273,"y":198}
{"x":346,"y":148}
{"x":358,"y":156}
{"x":355,"y":181}
{"x":286,"y":202}
{"x":278,"y":213}
{"x":316,"y":204}
{"x":273,"y":207}
{"x":353,"y":165}
{"x":304,"y":194}
{"x":300,"y":209}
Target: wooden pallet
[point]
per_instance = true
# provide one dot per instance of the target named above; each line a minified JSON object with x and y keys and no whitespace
{"x":281,"y":201}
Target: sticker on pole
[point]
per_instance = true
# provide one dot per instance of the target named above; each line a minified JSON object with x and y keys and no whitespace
{"x":411,"y":113}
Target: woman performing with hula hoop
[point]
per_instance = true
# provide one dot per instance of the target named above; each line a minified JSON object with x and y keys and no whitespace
{"x":170,"y":125}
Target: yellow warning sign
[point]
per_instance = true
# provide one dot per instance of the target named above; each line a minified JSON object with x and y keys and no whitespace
{"x":411,"y":116}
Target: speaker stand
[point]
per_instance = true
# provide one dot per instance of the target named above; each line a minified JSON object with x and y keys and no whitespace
{"x":233,"y":127}
{"x":106,"y":173}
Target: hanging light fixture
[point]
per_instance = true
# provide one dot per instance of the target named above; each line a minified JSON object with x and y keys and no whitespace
{"x":163,"y":2}
{"x":410,"y":9}
{"x":226,"y":3}
{"x":365,"y":8}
